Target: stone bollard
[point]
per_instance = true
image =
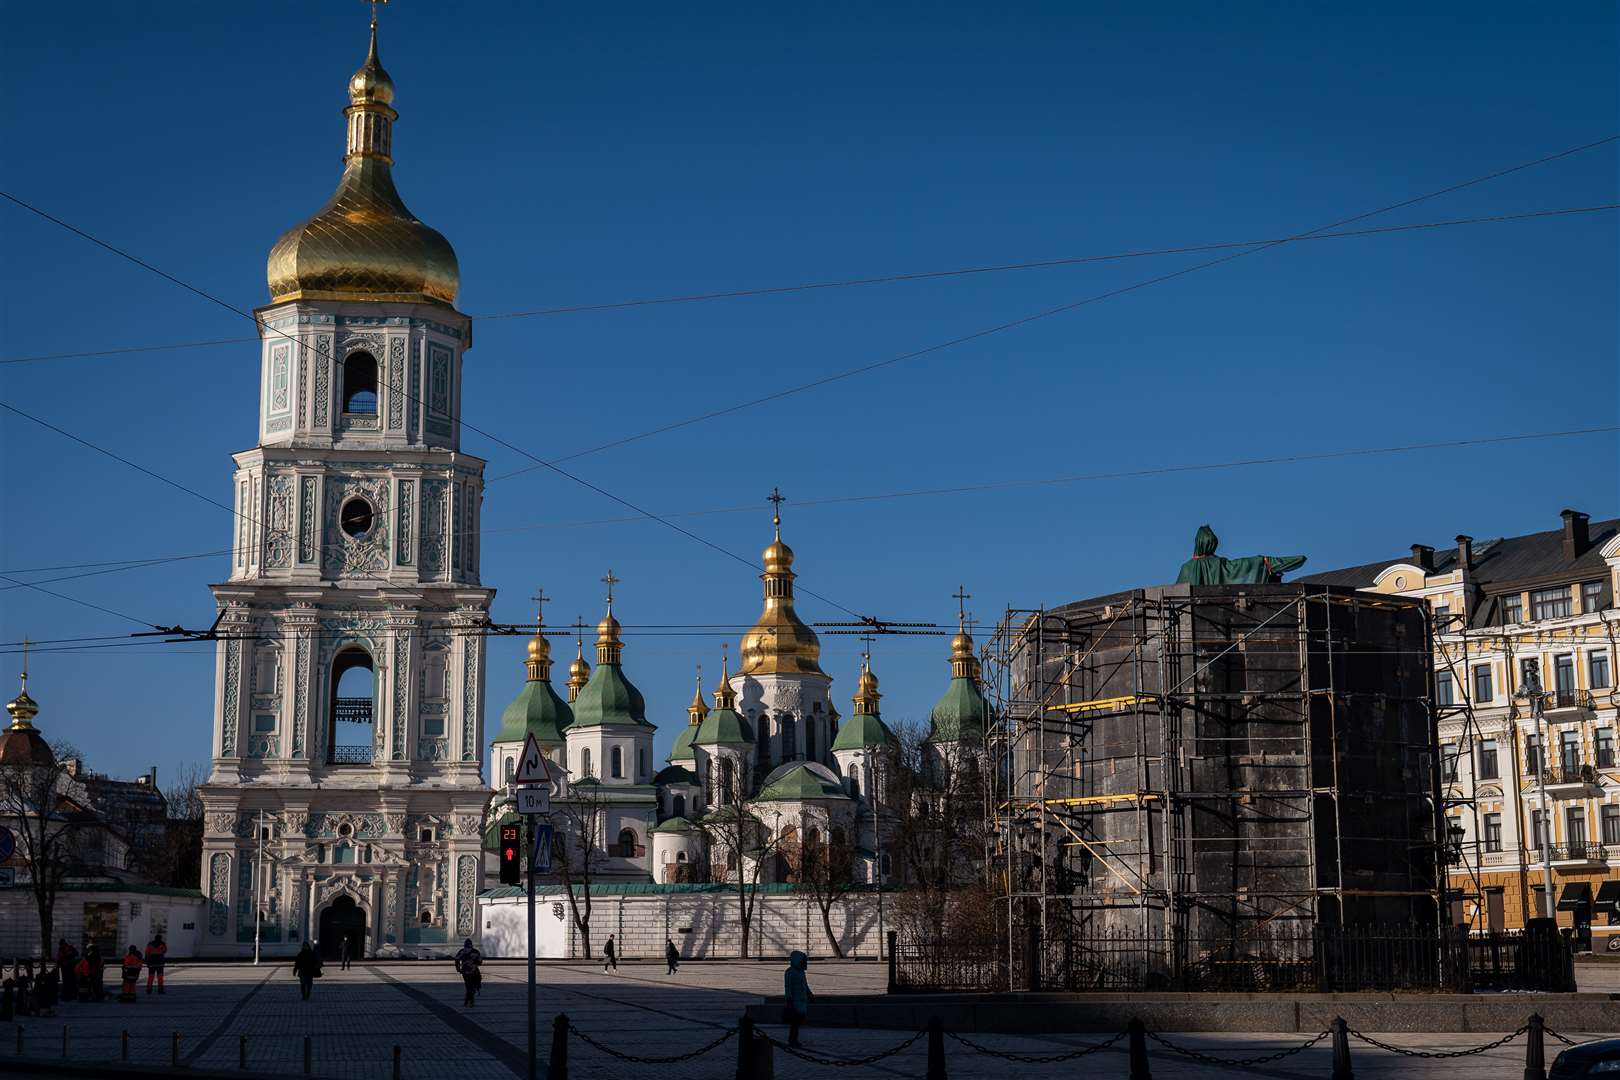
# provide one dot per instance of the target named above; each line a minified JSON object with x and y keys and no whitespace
{"x":1139,"y":1059}
{"x":306,"y":1055}
{"x":241,"y":1052}
{"x":396,"y":1063}
{"x":174,"y":1052}
{"x":123,"y":1047}
{"x":894,"y":972}
{"x":557,"y":1068}
{"x":936,"y":1050}
{"x":745,"y":1049}
{"x":64,"y":1040}
{"x":1535,"y":1049}
{"x":1341,"y":1050}
{"x":19,"y":1040}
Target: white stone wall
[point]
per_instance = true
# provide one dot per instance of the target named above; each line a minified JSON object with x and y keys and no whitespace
{"x":182,"y":920}
{"x":703,"y":925}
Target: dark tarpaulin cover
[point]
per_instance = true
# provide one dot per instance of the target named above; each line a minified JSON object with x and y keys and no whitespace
{"x":1208,"y":568}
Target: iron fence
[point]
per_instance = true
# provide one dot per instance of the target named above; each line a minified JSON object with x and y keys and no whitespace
{"x":351,"y":755}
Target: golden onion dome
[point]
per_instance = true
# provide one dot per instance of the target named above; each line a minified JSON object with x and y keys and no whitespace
{"x":364,"y":244}
{"x":780,"y":642}
{"x":607,"y":631}
{"x":579,"y":668}
{"x":777,"y":557}
{"x":962,"y":646}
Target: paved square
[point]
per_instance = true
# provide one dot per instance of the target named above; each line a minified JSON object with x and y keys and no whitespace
{"x":356,"y":1017}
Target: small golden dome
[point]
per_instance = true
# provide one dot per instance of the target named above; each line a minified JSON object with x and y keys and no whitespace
{"x":22,"y":709}
{"x":867,"y":683}
{"x":607,"y":631}
{"x":780,"y":642}
{"x":539,"y":648}
{"x":365,"y":244}
{"x":777,"y":557}
{"x":371,"y":84}
{"x":580,"y":668}
{"x":962,"y":646}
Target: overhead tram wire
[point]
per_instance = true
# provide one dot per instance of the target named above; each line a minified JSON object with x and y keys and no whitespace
{"x":889,"y":279}
{"x":1047,"y":313}
{"x":965,"y":489}
{"x":999,"y":328}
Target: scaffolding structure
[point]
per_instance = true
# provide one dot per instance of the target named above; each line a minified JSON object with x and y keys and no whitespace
{"x":1213,"y":769}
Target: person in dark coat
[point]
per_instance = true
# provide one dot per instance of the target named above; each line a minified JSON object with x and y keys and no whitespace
{"x":345,"y":952}
{"x":610,"y":955}
{"x":67,"y":962}
{"x":81,"y":976}
{"x":25,"y":988}
{"x":672,"y":955}
{"x":796,"y":988}
{"x":468,"y":961}
{"x":98,"y":972}
{"x":46,"y":990}
{"x":8,"y":999}
{"x":307,"y":966}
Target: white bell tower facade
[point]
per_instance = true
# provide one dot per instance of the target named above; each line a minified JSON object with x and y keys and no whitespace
{"x":346,"y":797}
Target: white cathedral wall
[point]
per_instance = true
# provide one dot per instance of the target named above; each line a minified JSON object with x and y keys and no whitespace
{"x":804,"y":697}
{"x":703,"y":925}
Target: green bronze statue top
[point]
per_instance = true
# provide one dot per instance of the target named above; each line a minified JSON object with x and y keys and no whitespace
{"x":1208,"y":568}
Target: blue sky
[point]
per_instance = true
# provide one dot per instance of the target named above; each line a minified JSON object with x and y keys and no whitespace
{"x":605,"y":153}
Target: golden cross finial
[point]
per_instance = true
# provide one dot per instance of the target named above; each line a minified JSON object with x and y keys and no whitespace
{"x":539,"y":599}
{"x":374,"y":4}
{"x":866,"y":653}
{"x":25,"y":644}
{"x":962,"y":597}
{"x":611,"y":581}
{"x":725,"y":660}
{"x":776,"y":499}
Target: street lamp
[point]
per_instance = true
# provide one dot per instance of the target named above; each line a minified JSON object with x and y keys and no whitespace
{"x":1531,"y":692}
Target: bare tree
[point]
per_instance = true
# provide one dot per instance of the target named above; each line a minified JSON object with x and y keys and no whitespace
{"x":181,"y":861}
{"x":36,"y":801}
{"x":740,"y":847}
{"x":937,"y":795}
{"x":578,"y":848}
{"x":824,"y":872}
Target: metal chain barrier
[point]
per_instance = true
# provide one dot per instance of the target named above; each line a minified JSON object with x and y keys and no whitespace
{"x":1035,"y":1059}
{"x":1213,"y":1059}
{"x":699,"y":1052}
{"x":842,"y":1063}
{"x":1503,"y":1041}
{"x":1545,"y":1030}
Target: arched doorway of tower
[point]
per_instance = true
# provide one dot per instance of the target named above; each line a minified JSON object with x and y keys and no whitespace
{"x":353,"y":729}
{"x":342,"y":920}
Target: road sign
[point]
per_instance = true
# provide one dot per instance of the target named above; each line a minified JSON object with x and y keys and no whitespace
{"x":532,"y":767}
{"x":534,"y":800}
{"x":541,"y":863}
{"x":8,"y":844}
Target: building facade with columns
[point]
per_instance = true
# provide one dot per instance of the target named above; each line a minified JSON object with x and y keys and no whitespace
{"x":346,"y":796}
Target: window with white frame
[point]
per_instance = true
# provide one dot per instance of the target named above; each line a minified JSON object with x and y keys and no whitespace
{"x":1597,"y":669}
{"x":1550,"y":603}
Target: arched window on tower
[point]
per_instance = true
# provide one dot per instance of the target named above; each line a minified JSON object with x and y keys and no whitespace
{"x":789,"y":727}
{"x":616,"y":762}
{"x":810,"y":737}
{"x":728,"y":779}
{"x":351,"y":729}
{"x":627,"y":844}
{"x":360,"y":383}
{"x":762,"y":741}
{"x":678,"y":807}
{"x":585,"y":762}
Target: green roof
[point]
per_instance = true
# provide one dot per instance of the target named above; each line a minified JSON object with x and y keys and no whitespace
{"x":801,"y":780}
{"x":609,"y":698}
{"x":961,"y":713}
{"x":674,"y":824}
{"x":723,"y":727}
{"x":861,"y":731}
{"x":682,"y":750}
{"x":537,"y":711}
{"x":674,"y":774}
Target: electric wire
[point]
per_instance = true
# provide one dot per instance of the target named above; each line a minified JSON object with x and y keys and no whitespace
{"x":926,"y":275}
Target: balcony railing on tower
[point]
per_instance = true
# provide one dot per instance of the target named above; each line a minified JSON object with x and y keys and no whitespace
{"x":351,"y":755}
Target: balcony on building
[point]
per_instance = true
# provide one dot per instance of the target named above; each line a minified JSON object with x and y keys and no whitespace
{"x":1579,"y":854}
{"x":1567,"y":705}
{"x":1571,"y":779}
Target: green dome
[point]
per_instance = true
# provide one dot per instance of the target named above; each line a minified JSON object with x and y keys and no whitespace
{"x":674,"y":824}
{"x":801,"y":780}
{"x":724,"y":727}
{"x":674,"y":774}
{"x":537,"y":711}
{"x":862,"y":731}
{"x":609,"y":698}
{"x":961,"y":713}
{"x":682,"y":750}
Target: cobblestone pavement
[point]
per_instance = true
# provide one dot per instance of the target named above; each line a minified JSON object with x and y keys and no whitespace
{"x":356,"y":1017}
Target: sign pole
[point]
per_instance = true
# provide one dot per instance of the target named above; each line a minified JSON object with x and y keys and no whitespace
{"x":532,"y":1059}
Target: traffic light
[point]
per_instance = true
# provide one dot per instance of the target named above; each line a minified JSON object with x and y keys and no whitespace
{"x":511,"y":854}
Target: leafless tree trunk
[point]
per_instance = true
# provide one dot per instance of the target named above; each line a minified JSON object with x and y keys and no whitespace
{"x":33,"y":803}
{"x":181,"y":864}
{"x":734,"y":834}
{"x":824,"y":872}
{"x":575,"y":850}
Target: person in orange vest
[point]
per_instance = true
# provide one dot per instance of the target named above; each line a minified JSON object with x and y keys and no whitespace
{"x":156,"y":950}
{"x":132,"y":974}
{"x":82,"y":973}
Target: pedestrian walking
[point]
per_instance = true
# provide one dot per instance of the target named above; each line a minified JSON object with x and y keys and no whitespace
{"x":672,"y":955}
{"x":468,"y":961}
{"x":345,"y":951}
{"x":796,"y":988}
{"x":67,"y":962}
{"x":307,"y":966}
{"x":610,"y":957}
{"x":49,"y":980}
{"x":157,"y":951}
{"x":24,"y":974}
{"x":131,"y":971}
{"x":97,"y":970}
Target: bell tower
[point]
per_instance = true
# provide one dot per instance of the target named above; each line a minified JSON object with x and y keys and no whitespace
{"x":350,"y":666}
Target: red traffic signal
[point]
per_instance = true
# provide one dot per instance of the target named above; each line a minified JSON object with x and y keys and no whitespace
{"x":511,"y":862}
